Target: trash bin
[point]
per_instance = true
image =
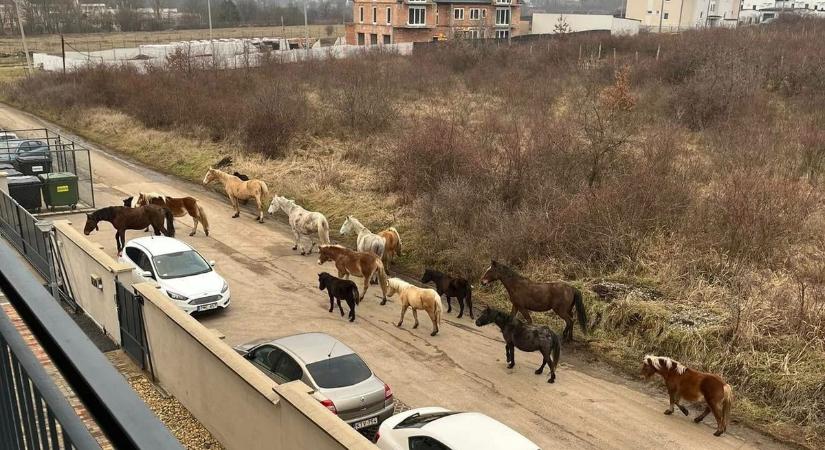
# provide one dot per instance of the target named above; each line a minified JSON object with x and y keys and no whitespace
{"x":26,"y":190}
{"x":34,"y":164}
{"x":59,"y":189}
{"x":10,"y":173}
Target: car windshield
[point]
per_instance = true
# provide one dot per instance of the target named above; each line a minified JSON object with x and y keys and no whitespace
{"x":180,"y":264}
{"x":340,"y":371}
{"x":418,"y":420}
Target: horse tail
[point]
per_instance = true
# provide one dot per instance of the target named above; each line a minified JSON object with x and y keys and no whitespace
{"x":555,"y":351}
{"x":170,"y":222}
{"x":439,"y":309}
{"x":355,"y":292}
{"x":203,"y":219}
{"x":727,"y":403}
{"x":397,"y":238}
{"x":582,"y":314}
{"x":264,"y":191}
{"x":323,"y":231}
{"x":382,"y":276}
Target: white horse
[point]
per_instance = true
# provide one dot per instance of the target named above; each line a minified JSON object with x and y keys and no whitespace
{"x":367,"y":240}
{"x":303,"y":222}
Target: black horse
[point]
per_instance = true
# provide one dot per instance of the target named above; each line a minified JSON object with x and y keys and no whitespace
{"x":339,"y":289}
{"x":451,"y":287}
{"x":528,"y":338}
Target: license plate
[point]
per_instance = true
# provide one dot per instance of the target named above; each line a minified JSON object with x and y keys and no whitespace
{"x":365,"y":423}
{"x":207,"y":307}
{"x":37,"y":168}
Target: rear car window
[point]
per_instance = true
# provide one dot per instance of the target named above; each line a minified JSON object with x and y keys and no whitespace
{"x":340,"y":371}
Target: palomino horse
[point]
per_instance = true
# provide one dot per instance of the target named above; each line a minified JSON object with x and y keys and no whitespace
{"x":303,"y":222}
{"x":528,"y":338}
{"x":361,"y":264}
{"x":239,"y":190}
{"x":179,"y":206}
{"x":451,"y":287}
{"x":691,"y":385}
{"x":417,"y":298}
{"x":392,"y":244}
{"x":527,"y":295}
{"x":123,"y":219}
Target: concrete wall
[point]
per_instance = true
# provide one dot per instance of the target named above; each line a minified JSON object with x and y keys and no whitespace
{"x":85,"y":260}
{"x":240,"y":406}
{"x":546,"y":23}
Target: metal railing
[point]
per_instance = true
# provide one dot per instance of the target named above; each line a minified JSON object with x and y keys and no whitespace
{"x":21,"y":229}
{"x":120,"y":414}
{"x":33,"y":412}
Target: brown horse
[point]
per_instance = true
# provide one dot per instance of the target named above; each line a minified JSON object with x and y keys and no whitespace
{"x":527,"y":295}
{"x":179,"y":206}
{"x":392,"y":244}
{"x":361,"y":264}
{"x":123,"y":219}
{"x":691,"y":385}
{"x":239,"y":190}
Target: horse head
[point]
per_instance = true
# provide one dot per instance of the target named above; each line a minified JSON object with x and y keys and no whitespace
{"x":347,"y":226}
{"x":428,"y":276}
{"x":210,"y":175}
{"x":324,"y":254}
{"x":491,"y":274}
{"x":322,"y":280}
{"x":127,"y":202}
{"x":142,"y":200}
{"x":487,"y":317}
{"x":91,"y":225}
{"x":278,"y":202}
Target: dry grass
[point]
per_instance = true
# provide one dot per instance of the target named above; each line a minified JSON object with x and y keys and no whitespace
{"x":641,"y":176}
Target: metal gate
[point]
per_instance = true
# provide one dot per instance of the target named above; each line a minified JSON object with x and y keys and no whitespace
{"x":132,"y":334}
{"x":20,"y":228}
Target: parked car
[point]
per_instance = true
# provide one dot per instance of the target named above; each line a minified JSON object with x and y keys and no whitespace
{"x":435,"y":428}
{"x":11,"y":148}
{"x":182,"y":273}
{"x":7,"y":138}
{"x":340,"y":378}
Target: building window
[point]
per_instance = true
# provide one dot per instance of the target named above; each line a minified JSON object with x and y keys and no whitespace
{"x":502,"y":2}
{"x":417,"y":15}
{"x":502,"y":34}
{"x":475,"y":13}
{"x":754,"y":7}
{"x":665,"y":16}
{"x":387,"y":39}
{"x":701,"y":14}
{"x":503,"y":16}
{"x":416,"y":1}
{"x":361,"y":13}
{"x":713,"y":7}
{"x":483,"y":13}
{"x":373,"y":39}
{"x":389,"y":16}
{"x":374,"y":15}
{"x":458,"y":14}
{"x":360,"y":38}
{"x":473,"y":34}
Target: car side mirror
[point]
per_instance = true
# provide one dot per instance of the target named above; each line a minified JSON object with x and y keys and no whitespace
{"x":212,"y":262}
{"x":147,"y":274}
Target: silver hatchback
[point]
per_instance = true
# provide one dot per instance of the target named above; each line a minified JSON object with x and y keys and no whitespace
{"x":341,"y":380}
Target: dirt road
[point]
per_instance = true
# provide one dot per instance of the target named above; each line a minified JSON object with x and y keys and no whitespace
{"x":275,"y":293}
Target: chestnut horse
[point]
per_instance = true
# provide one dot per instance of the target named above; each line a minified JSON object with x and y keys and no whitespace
{"x":527,"y":295}
{"x":123,"y":219}
{"x":239,"y":190}
{"x":691,"y":385}
{"x":392,"y":244}
{"x":361,"y":264}
{"x":417,"y":298}
{"x":180,"y":206}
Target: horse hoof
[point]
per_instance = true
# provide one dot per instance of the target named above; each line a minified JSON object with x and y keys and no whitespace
{"x":398,"y":325}
{"x":330,"y":310}
{"x":510,"y":366}
{"x":295,"y":248}
{"x":383,"y":302}
{"x":459,"y":316}
{"x":668,"y":412}
{"x":698,"y":420}
{"x":718,"y":433}
{"x":552,"y":380}
{"x":538,"y":371}
{"x":342,"y":314}
{"x":433,"y":333}
{"x":684,"y":410}
{"x":206,"y":233}
{"x":303,"y":253}
{"x":352,"y":319}
{"x":415,"y":326}
{"x":192,"y":233}
{"x":236,"y":216}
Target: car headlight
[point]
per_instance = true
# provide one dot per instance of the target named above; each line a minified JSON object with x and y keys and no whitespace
{"x":225,"y":287}
{"x":175,"y":296}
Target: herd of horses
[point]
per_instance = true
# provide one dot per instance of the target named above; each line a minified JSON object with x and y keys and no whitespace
{"x":370,"y":260}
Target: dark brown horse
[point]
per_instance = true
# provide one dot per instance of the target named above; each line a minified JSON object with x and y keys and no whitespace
{"x":123,"y":219}
{"x":527,"y":295}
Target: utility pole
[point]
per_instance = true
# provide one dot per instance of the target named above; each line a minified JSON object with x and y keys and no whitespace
{"x":661,"y":15}
{"x":63,"y":51}
{"x":211,"y":40}
{"x":23,"y":38}
{"x":306,"y":29}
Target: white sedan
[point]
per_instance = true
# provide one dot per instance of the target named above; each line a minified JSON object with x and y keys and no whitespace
{"x":437,"y":428}
{"x":180,"y":271}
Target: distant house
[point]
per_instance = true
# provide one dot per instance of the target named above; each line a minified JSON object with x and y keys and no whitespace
{"x":553,"y":23}
{"x":377,"y":22}
{"x":676,"y":15}
{"x":759,"y":11}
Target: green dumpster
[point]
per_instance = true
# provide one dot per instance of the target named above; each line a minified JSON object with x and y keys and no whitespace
{"x":59,"y":189}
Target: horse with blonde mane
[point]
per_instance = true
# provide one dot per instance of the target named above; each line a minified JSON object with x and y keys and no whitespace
{"x":392,"y":244}
{"x":303,"y":223}
{"x":361,"y":264}
{"x":180,"y":206}
{"x":239,"y":190}
{"x":691,"y":385}
{"x":417,"y":298}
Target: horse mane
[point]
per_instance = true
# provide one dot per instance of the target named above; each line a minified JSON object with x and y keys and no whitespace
{"x":665,"y":363}
{"x":107,"y":213}
{"x":507,"y":271}
{"x":398,"y":284}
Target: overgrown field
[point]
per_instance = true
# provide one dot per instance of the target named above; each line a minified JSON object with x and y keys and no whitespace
{"x":688,"y":187}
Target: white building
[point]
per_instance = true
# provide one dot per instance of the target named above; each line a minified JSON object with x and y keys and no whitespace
{"x":676,"y":15}
{"x":759,"y":11}
{"x":552,"y":23}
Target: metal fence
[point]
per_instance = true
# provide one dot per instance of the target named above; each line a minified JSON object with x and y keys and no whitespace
{"x":33,"y":412}
{"x":20,"y":228}
{"x":66,"y":155}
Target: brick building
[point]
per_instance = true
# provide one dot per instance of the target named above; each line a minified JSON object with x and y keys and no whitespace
{"x":377,"y":22}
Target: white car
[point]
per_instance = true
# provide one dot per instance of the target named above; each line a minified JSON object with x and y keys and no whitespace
{"x":180,"y":271}
{"x":437,"y":428}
